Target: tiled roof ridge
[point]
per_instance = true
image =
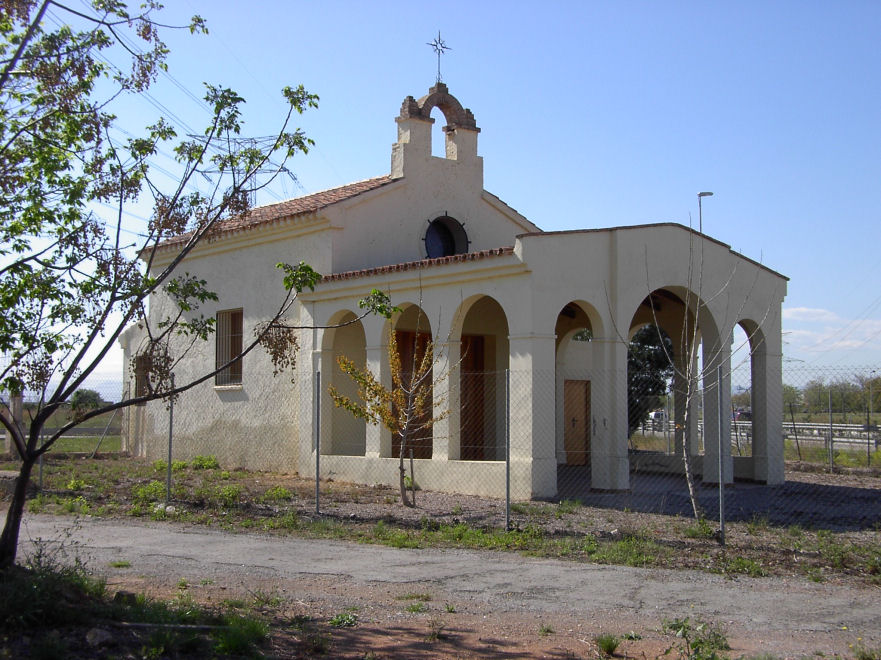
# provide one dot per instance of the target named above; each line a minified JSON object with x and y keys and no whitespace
{"x":422,"y":263}
{"x":269,"y":213}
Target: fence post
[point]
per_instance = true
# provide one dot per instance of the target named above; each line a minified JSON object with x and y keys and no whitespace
{"x":831,"y":448}
{"x":507,"y":449}
{"x":317,"y":441}
{"x":794,"y":431}
{"x":412,"y":479}
{"x":721,"y":462}
{"x":170,"y":436}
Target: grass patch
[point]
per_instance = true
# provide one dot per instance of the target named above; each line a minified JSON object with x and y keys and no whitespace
{"x":241,"y":636}
{"x":701,"y":529}
{"x":607,"y":643}
{"x":630,"y":550}
{"x":86,"y":444}
{"x":416,"y":596}
{"x":743,"y":566}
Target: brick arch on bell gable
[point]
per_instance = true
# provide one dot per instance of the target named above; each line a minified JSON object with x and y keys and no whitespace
{"x":439,"y":97}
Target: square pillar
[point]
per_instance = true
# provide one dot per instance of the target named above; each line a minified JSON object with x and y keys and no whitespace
{"x":533,"y":411}
{"x":447,"y":439}
{"x":610,"y":462}
{"x":716,"y":419}
{"x":767,"y":412}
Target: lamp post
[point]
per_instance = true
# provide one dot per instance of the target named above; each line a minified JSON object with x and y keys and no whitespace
{"x":700,"y":213}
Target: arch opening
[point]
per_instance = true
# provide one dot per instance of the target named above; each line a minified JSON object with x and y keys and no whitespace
{"x":484,"y":354}
{"x":347,"y":434}
{"x":573,"y":365}
{"x":412,"y":334}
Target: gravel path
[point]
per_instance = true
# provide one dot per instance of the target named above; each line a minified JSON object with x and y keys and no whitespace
{"x":494,"y":594}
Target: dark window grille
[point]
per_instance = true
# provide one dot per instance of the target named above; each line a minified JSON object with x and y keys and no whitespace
{"x":229,"y":346}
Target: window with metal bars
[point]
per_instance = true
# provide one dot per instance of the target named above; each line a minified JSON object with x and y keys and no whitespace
{"x":229,"y":345}
{"x":142,"y":376}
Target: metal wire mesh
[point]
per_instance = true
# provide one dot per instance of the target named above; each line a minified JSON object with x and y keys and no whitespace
{"x":593,"y":437}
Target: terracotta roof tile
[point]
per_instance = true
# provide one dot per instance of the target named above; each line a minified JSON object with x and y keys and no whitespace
{"x":422,"y":263}
{"x":264,"y":215}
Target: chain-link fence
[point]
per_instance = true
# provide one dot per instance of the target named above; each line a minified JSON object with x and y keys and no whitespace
{"x":102,"y":433}
{"x":602,"y":439}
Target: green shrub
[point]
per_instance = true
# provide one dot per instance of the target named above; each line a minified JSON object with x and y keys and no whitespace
{"x":76,"y":484}
{"x":205,"y":463}
{"x":229,"y":495}
{"x":151,"y":492}
{"x":276,"y":494}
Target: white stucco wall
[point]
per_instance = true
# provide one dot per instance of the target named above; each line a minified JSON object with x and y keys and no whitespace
{"x":269,"y":422}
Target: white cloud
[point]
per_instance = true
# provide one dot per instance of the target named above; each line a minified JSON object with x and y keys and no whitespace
{"x":811,"y":314}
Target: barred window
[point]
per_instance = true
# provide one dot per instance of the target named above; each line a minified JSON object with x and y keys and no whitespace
{"x":229,"y":345}
{"x":142,"y":376}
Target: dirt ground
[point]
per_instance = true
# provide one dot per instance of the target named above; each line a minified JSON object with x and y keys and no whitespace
{"x":450,"y":603}
{"x":473,"y":604}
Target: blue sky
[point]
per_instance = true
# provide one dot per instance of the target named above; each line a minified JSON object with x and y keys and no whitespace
{"x":597,"y":114}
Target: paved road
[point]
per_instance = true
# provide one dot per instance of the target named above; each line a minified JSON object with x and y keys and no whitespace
{"x":802,"y":612}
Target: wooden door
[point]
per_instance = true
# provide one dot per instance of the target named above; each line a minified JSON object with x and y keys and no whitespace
{"x":411,"y":348}
{"x":472,"y":397}
{"x":576,"y":420}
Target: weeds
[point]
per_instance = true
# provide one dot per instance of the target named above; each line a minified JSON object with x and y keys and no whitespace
{"x":76,"y":484}
{"x":344,"y":620}
{"x":757,"y":524}
{"x":241,"y":635}
{"x":697,"y":641}
{"x":435,"y":630}
{"x":743,"y":566}
{"x":863,"y":653}
{"x":544,"y":630}
{"x":205,"y":463}
{"x":148,"y":493}
{"x":701,"y":529}
{"x":416,"y":596}
{"x":313,"y":641}
{"x":276,"y":494}
{"x":607,"y":643}
{"x":228,"y":496}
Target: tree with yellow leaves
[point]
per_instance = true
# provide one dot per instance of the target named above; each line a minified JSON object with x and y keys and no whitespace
{"x":409,"y":407}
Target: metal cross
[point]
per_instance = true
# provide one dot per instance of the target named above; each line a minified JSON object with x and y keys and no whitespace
{"x":439,"y":47}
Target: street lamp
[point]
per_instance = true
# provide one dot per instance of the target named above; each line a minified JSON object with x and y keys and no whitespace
{"x":700,"y":213}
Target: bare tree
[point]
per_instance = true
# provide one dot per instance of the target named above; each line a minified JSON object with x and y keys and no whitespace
{"x":410,"y":407}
